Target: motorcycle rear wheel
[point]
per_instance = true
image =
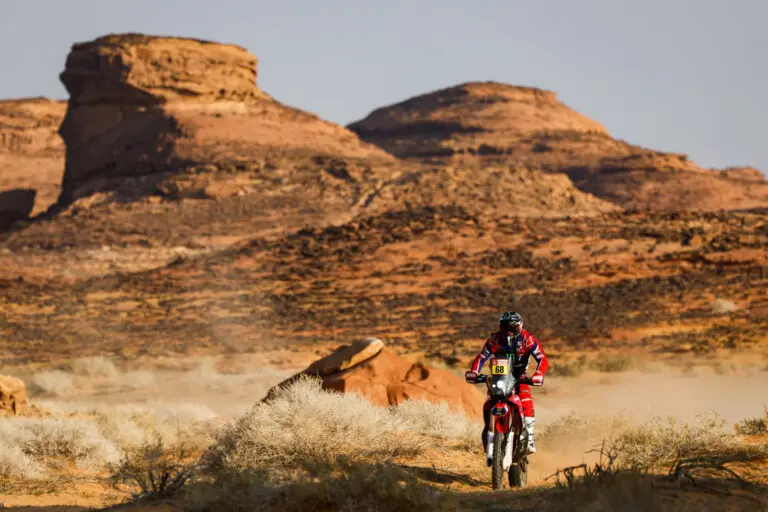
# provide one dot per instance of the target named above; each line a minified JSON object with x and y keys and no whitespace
{"x":518,"y":473}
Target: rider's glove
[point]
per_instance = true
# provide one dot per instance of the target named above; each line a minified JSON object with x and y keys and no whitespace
{"x":470,"y":376}
{"x":537,"y":379}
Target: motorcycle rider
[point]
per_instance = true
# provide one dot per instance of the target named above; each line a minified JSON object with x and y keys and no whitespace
{"x":512,"y":339}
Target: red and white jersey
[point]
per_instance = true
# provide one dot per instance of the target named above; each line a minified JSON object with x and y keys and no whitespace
{"x":520,"y":349}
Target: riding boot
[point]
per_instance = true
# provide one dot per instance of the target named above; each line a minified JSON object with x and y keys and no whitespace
{"x":529,"y":427}
{"x":488,"y":446}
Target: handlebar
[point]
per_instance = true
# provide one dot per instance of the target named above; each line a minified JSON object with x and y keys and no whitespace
{"x":483,"y":378}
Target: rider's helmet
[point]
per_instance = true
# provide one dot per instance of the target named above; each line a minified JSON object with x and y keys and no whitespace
{"x":511,"y":323}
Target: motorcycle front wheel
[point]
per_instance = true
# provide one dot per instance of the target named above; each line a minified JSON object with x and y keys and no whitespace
{"x":497,"y":475}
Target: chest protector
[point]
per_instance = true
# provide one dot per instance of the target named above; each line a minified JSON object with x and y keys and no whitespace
{"x":514,"y":348}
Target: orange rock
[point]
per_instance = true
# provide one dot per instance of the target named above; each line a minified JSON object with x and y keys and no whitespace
{"x":13,"y":395}
{"x":387,"y":379}
{"x":347,"y":356}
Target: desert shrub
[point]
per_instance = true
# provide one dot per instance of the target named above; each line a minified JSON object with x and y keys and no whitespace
{"x":605,"y":485}
{"x":127,"y":430}
{"x":130,"y":426}
{"x":604,"y":363}
{"x":569,"y":367}
{"x":154,"y":471}
{"x":350,"y":486}
{"x":100,"y":435}
{"x":753,"y":426}
{"x":15,"y":463}
{"x":614,"y":363}
{"x":77,"y":440}
{"x":438,"y":421}
{"x":305,"y":425}
{"x":658,"y":444}
{"x":637,"y":465}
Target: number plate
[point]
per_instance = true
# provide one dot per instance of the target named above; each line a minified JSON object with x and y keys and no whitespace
{"x":499,"y":366}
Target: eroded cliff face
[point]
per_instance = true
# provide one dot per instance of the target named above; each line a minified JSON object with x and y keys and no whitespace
{"x":31,"y":155}
{"x":135,"y":69}
{"x":144,"y":109}
{"x":493,"y":123}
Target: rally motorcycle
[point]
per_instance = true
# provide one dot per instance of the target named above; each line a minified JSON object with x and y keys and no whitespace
{"x":506,"y":442}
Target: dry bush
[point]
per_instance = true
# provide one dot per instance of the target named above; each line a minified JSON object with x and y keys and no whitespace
{"x":569,"y":367}
{"x":351,"y":486}
{"x":319,"y":450}
{"x":659,"y":444}
{"x":154,"y":471}
{"x":753,"y":426}
{"x":614,"y":363}
{"x":604,"y":363}
{"x":133,"y":425}
{"x":14,"y":463}
{"x":79,"y":441}
{"x":439,"y":422}
{"x":616,"y":482}
{"x":99,"y":436}
{"x":304,"y":425}
{"x":604,"y":485}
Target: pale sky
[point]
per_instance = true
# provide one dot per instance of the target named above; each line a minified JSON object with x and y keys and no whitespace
{"x":688,"y":76}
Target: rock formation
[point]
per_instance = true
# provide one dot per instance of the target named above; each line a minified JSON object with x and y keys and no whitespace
{"x":367,"y":367}
{"x":13,"y":396}
{"x":528,"y":127}
{"x":144,"y":110}
{"x":31,"y":151}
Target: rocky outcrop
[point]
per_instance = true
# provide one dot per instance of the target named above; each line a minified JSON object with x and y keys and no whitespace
{"x":489,"y":122}
{"x":368,"y":368}
{"x":479,"y":118}
{"x":31,"y":151}
{"x":13,"y":396}
{"x":144,"y":110}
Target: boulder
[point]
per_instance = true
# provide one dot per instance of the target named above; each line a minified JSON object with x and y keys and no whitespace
{"x":13,"y":396}
{"x":370,"y":369}
{"x":346,"y":356}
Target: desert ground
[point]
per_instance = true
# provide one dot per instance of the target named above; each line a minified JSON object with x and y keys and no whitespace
{"x":189,"y":396}
{"x":175,"y":243}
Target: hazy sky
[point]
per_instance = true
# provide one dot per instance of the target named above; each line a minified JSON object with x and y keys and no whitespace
{"x":677,"y":75}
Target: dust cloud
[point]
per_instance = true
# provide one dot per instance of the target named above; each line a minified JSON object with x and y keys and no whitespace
{"x":576,"y":414}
